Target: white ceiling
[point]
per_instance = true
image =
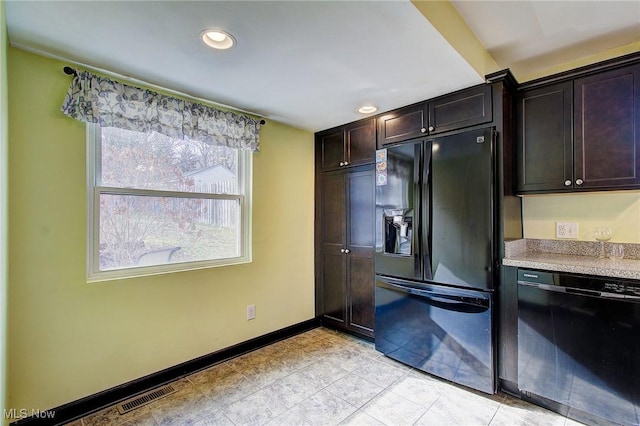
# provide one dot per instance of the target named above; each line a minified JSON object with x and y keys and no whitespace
{"x":309,"y":64}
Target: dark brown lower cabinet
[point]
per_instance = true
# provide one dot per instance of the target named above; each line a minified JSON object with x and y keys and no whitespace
{"x":346,"y":221}
{"x":360,"y":298}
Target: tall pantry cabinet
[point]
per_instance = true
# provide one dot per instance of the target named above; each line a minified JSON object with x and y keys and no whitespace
{"x":345,"y":206}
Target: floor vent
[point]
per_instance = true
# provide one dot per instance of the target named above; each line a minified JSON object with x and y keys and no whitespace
{"x":145,"y":398}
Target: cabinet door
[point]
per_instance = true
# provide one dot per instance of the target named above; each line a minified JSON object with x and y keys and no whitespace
{"x":361,"y":142}
{"x":607,"y":129}
{"x":463,"y":109}
{"x":544,"y":134}
{"x":334,"y":286}
{"x":331,"y":148}
{"x":333,"y":193}
{"x":361,"y":240}
{"x":403,"y":124}
{"x":361,"y":294}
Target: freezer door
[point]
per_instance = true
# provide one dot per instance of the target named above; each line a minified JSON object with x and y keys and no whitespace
{"x":398,"y":219}
{"x":441,"y":330}
{"x":462,"y":209}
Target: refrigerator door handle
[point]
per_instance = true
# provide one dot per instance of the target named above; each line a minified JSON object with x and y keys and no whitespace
{"x":425,"y":214}
{"x":416,"y":246}
{"x":455,"y":304}
{"x":444,"y":301}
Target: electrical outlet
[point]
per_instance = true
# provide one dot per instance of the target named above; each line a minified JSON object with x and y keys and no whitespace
{"x":251,"y":312}
{"x":566,"y":230}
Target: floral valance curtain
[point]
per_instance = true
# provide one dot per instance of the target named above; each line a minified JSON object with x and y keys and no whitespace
{"x":96,"y":99}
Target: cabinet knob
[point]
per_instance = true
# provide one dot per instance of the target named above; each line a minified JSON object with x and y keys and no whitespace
{"x":431,"y":128}
{"x":342,"y":250}
{"x":567,"y":183}
{"x":346,"y":163}
{"x":347,"y":251}
{"x":341,"y":163}
{"x":423,"y":130}
{"x":579,"y":182}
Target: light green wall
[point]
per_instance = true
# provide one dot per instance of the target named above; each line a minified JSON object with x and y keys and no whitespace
{"x":582,"y":61}
{"x":69,"y":339}
{"x":3,"y":205}
{"x":618,"y":210}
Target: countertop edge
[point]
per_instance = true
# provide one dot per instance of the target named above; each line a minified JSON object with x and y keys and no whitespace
{"x":573,"y":268}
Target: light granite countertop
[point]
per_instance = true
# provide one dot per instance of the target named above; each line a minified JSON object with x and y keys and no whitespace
{"x":579,"y":257}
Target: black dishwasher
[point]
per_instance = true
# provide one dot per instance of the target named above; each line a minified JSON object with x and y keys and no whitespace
{"x":579,"y":342}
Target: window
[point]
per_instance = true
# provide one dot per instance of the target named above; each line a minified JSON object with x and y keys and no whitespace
{"x":158,"y":204}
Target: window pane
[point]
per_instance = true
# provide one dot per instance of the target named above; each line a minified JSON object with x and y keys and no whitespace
{"x":144,"y":230}
{"x":154,"y":161}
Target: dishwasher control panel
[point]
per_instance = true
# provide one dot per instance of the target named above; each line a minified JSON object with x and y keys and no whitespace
{"x":614,"y":287}
{"x":582,"y":284}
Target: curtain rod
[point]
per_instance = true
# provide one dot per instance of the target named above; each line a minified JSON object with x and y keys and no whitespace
{"x":70,"y":71}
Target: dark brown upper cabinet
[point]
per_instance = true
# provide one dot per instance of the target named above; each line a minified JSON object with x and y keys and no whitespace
{"x":581,"y":134}
{"x":607,"y":129}
{"x":346,"y":146}
{"x":545,"y":130}
{"x":403,"y":124}
{"x":451,"y":112}
{"x":461,"y":109}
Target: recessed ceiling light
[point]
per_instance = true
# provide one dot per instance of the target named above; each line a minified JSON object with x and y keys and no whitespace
{"x":217,"y":39}
{"x":367,"y":109}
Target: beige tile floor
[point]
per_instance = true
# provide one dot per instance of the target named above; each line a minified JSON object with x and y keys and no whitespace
{"x":323,"y":377}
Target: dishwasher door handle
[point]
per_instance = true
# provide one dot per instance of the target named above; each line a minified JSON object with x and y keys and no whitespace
{"x":560,"y":289}
{"x":547,"y":287}
{"x":581,"y":292}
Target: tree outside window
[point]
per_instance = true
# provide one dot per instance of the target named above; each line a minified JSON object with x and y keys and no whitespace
{"x":165,"y":204}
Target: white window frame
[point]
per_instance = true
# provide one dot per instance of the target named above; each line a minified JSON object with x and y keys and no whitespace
{"x":94,"y":274}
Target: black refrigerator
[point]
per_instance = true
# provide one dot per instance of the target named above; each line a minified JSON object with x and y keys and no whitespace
{"x":435,"y":252}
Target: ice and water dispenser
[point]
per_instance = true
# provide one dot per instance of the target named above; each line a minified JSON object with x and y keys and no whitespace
{"x":398,"y":231}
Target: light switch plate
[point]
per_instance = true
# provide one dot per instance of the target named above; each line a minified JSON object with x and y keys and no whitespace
{"x":566,"y":230}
